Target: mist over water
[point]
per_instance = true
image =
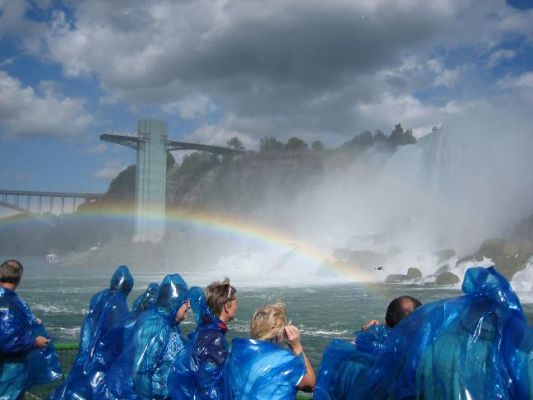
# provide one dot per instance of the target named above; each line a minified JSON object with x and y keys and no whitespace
{"x":364,"y":218}
{"x":468,"y":182}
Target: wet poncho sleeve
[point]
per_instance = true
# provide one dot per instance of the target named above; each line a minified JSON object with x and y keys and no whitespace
{"x":518,"y":346}
{"x":109,"y":347}
{"x":262,"y":371}
{"x":15,"y":326}
{"x":210,"y":353}
{"x":43,"y":364}
{"x":198,"y":370}
{"x":141,"y":371}
{"x":21,"y":365}
{"x":345,"y":363}
{"x":106,"y":309}
{"x":456,"y":349}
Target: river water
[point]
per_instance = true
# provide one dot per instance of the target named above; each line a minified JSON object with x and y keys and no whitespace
{"x":59,"y":295}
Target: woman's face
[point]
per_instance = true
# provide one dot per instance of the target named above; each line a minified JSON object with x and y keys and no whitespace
{"x":231,"y":309}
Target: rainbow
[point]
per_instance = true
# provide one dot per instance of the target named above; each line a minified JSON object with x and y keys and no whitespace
{"x":228,"y":225}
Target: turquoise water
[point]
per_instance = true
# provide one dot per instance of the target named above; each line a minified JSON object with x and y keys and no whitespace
{"x":60,"y":295}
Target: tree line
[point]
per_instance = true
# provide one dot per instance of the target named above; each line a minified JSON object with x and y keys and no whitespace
{"x":361,"y":141}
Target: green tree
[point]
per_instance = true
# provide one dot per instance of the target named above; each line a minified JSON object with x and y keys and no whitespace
{"x":379,"y":136}
{"x":268,"y":144}
{"x":399,"y":137}
{"x":235,"y":143}
{"x":198,"y":162}
{"x":295,"y":144}
{"x":361,"y":141}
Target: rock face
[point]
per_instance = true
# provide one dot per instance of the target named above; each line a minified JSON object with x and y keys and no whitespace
{"x":414,"y":273}
{"x":444,"y":255}
{"x":447,"y":278}
{"x":396,"y":278}
{"x":509,"y":256}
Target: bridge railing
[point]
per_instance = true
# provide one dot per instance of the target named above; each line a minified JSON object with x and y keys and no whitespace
{"x":38,"y":202}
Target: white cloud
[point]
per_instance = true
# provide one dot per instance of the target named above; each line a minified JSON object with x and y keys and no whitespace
{"x":190,"y":107}
{"x":24,"y":112}
{"x":218,"y":135}
{"x":111,"y":170}
{"x":275,"y":69}
{"x":500,"y":56}
{"x":524,"y":81}
{"x":98,"y":149}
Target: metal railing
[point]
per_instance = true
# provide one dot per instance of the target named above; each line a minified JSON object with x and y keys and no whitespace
{"x":67,"y":354}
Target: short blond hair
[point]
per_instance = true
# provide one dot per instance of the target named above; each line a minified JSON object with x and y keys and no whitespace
{"x":269,"y":322}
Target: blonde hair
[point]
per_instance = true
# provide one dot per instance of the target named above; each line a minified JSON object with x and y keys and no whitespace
{"x":269,"y":322}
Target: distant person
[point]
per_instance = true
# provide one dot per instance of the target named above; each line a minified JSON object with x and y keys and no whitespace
{"x":27,"y":357}
{"x":106,"y":309}
{"x":345,"y":364}
{"x":261,"y":368}
{"x":141,"y":371}
{"x":198,"y":371}
{"x":476,"y":346}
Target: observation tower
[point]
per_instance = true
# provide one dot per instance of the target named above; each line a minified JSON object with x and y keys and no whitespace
{"x":151,"y":144}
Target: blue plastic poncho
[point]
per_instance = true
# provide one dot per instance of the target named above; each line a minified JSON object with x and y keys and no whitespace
{"x":344,"y":364}
{"x":262,"y":370}
{"x":198,"y":370}
{"x":106,"y":309}
{"x":141,"y":371}
{"x":21,"y":365}
{"x":476,"y":346}
{"x":111,"y":344}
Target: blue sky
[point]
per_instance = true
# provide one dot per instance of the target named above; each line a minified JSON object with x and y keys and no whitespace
{"x":70,"y":70}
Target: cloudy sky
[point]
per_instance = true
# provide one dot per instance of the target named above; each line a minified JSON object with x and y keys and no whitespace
{"x":213,"y":69}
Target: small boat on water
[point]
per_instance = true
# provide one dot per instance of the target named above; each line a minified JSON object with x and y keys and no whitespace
{"x":52,"y":258}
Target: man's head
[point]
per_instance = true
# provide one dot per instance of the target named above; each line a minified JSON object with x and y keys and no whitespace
{"x":11,"y":273}
{"x":400,"y":308}
{"x":221,"y":298}
{"x":269,"y":322}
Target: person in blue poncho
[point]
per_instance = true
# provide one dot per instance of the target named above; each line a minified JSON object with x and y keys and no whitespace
{"x":345,"y":364}
{"x":27,"y":357}
{"x":471,"y":347}
{"x":106,"y":309}
{"x":260,"y":368}
{"x":111,"y":344}
{"x":198,"y":370}
{"x":141,"y":371}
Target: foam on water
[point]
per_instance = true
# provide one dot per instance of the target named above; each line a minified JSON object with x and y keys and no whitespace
{"x":523,"y":283}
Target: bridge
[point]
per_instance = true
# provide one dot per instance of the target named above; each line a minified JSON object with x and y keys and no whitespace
{"x":40,"y":203}
{"x":151,"y":145}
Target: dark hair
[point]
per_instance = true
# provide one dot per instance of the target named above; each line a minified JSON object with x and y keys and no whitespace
{"x":11,"y":271}
{"x":219,"y":293}
{"x":400,"y":308}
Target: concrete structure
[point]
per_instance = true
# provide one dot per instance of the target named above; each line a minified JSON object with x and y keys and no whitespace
{"x":151,"y":144}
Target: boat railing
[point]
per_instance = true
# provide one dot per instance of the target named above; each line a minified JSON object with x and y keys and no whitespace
{"x":67,"y":354}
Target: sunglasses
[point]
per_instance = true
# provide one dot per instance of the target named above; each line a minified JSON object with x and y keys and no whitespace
{"x":230,"y":293}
